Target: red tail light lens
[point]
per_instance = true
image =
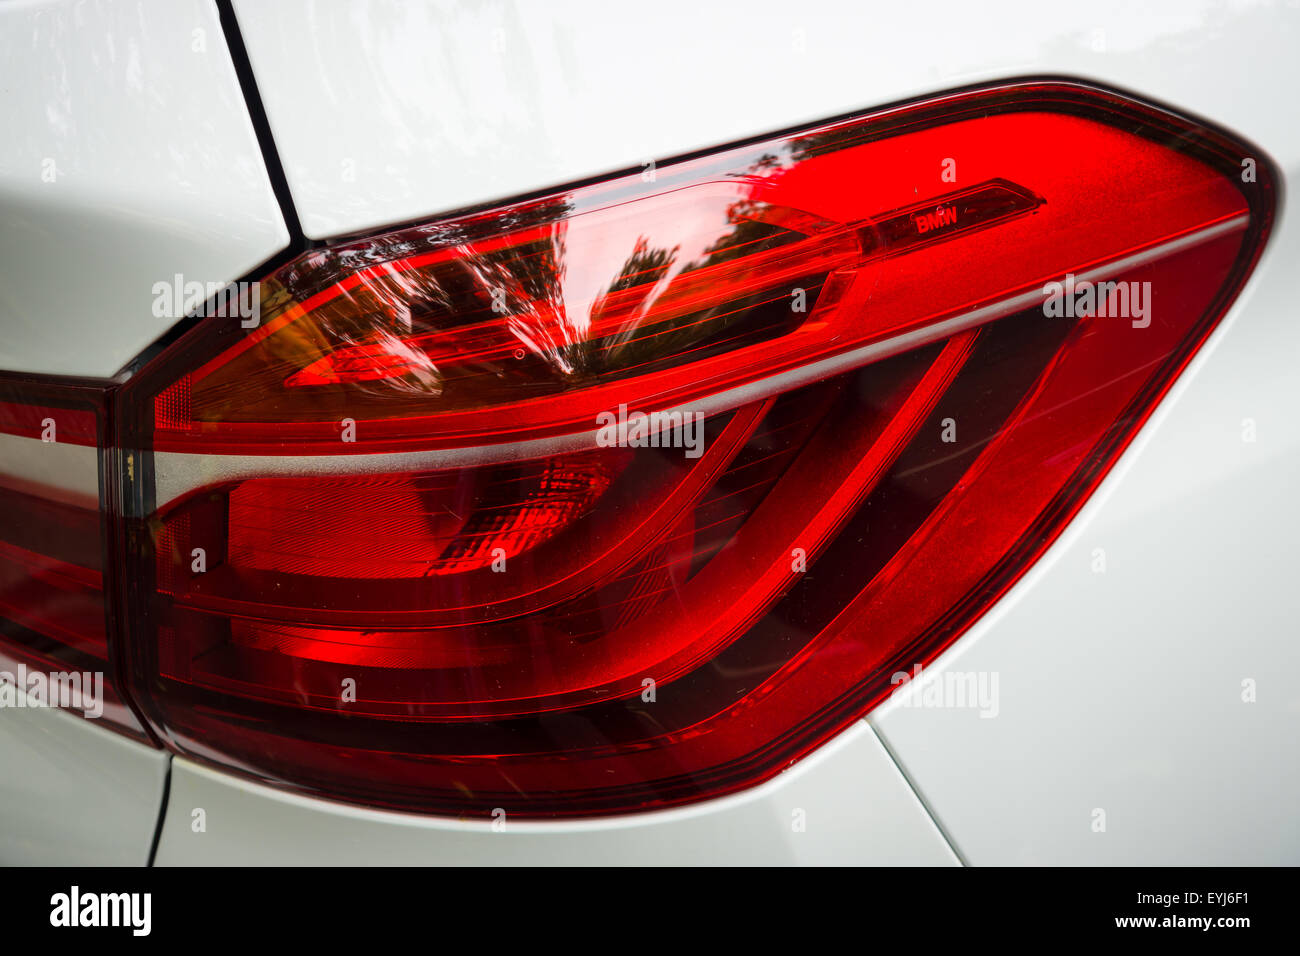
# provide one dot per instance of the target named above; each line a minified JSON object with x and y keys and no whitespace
{"x":634,"y":493}
{"x":54,"y":648}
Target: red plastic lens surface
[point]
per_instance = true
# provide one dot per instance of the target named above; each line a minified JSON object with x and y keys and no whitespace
{"x":408,"y":542}
{"x":662,"y":294}
{"x":54,"y":647}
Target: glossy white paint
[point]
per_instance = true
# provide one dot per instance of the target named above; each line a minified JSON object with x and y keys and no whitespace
{"x":128,"y":157}
{"x":1118,"y":691}
{"x":846,"y":804}
{"x":385,"y":112}
{"x":74,"y":794}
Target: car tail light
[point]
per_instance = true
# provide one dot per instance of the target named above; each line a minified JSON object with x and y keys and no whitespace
{"x":54,"y":648}
{"x":418,"y":539}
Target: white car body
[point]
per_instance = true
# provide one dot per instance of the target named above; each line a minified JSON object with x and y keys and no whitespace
{"x":1120,"y":691}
